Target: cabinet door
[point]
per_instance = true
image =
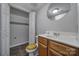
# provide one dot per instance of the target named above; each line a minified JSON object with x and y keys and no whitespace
{"x":42,"y":40}
{"x":42,"y":49}
{"x":61,"y":48}
{"x":51,"y":52}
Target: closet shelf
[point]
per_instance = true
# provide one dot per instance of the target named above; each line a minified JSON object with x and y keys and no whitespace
{"x":19,"y":23}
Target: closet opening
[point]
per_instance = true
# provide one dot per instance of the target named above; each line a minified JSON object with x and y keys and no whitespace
{"x":19,"y":32}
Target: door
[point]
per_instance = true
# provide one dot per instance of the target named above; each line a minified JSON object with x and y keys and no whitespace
{"x":42,"y":49}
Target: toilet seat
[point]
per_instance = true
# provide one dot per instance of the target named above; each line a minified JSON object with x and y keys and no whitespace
{"x":30,"y":51}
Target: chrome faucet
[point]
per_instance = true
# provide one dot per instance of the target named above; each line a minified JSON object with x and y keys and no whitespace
{"x":56,"y":34}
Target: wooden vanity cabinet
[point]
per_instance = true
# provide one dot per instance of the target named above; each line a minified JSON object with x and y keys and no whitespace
{"x":47,"y":47}
{"x":42,"y":46}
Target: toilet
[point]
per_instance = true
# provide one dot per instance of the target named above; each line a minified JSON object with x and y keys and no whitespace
{"x":33,"y":52}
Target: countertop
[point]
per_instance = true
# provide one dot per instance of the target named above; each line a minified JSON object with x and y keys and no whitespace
{"x":66,"y":39}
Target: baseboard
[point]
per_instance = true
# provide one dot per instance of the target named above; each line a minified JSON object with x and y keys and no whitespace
{"x":18,"y":44}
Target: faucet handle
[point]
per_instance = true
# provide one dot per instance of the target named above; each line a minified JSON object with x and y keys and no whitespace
{"x":56,"y":34}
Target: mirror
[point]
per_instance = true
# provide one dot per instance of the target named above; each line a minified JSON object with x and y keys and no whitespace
{"x":57,"y":11}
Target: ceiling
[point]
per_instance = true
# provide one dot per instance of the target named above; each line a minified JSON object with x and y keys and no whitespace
{"x":29,"y":6}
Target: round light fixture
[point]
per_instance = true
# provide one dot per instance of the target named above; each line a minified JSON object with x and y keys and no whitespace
{"x":58,"y":11}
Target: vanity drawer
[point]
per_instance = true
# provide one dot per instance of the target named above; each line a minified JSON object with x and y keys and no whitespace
{"x":61,"y":48}
{"x":52,"y":52}
{"x":42,"y":40}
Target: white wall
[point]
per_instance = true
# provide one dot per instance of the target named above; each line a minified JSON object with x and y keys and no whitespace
{"x":0,"y":29}
{"x":78,"y":20}
{"x":21,"y":32}
{"x":66,"y":24}
{"x":32,"y":27}
{"x":5,"y":36}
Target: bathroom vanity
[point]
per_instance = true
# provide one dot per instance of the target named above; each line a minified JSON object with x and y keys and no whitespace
{"x":48,"y":46}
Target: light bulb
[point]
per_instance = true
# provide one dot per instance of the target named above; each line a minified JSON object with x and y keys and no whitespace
{"x":55,"y":11}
